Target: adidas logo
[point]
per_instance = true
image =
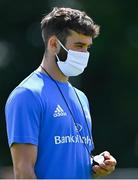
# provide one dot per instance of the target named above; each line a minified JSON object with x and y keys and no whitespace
{"x":59,"y":112}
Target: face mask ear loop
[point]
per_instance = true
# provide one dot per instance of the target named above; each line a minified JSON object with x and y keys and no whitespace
{"x":62,"y":46}
{"x":57,"y":57}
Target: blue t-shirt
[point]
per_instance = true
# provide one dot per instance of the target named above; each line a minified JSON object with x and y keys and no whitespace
{"x":36,"y":113}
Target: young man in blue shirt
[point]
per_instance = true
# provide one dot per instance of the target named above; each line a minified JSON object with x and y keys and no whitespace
{"x":48,"y":120}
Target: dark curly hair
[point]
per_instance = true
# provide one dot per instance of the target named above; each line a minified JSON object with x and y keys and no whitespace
{"x":60,"y":21}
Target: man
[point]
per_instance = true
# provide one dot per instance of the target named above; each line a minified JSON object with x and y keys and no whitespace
{"x":48,"y":120}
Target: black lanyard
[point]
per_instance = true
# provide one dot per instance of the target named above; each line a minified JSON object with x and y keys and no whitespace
{"x":89,"y":152}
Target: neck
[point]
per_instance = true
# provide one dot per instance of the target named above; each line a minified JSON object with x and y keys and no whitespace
{"x":50,"y":67}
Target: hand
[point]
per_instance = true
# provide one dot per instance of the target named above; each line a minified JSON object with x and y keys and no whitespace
{"x":106,"y":167}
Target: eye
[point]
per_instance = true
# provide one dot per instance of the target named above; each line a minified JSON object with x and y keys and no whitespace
{"x":80,"y":45}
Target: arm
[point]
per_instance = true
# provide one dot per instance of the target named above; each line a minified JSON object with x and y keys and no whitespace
{"x":24,"y":158}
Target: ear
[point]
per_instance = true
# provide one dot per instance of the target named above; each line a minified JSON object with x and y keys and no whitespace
{"x":53,"y":45}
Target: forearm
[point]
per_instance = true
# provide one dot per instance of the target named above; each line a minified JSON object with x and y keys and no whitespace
{"x":24,"y":173}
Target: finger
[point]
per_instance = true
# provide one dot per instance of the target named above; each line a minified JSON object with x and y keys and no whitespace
{"x":104,"y":170}
{"x":97,"y":169}
{"x":110,"y":162}
{"x":109,"y":168}
{"x":100,"y":171}
{"x":106,"y":154}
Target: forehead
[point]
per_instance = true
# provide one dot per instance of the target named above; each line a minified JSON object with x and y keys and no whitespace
{"x":75,"y":37}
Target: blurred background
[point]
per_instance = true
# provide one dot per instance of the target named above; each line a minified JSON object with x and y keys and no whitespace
{"x":110,"y":81}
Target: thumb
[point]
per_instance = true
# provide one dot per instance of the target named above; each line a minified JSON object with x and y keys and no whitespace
{"x":106,"y":154}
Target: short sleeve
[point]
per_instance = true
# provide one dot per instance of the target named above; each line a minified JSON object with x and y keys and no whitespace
{"x":23,"y":114}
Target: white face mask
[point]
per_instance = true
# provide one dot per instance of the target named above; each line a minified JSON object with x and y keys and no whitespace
{"x":75,"y":63}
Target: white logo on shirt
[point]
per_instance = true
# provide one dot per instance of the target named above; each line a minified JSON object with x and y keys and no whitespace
{"x":59,"y":112}
{"x":78,"y":127}
{"x":73,"y":139}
